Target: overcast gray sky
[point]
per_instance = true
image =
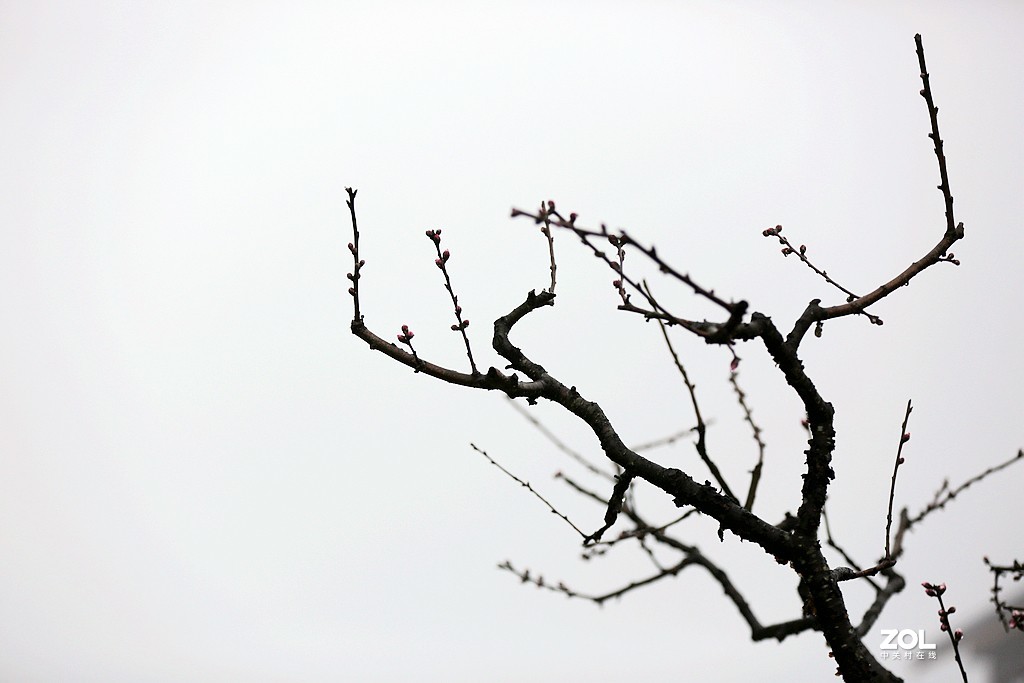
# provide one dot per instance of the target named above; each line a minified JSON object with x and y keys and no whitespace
{"x":206,"y":477}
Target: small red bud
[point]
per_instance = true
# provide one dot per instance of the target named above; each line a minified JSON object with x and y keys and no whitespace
{"x":958,"y":635}
{"x":352,"y":247}
{"x":439,"y":263}
{"x":900,"y":460}
{"x":446,"y":255}
{"x":465,"y":323}
{"x":734,"y":364}
{"x":572,"y":218}
{"x":352,"y":291}
{"x":906,"y":437}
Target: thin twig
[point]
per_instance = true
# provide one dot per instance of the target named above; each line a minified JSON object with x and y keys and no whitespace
{"x":801,"y":252}
{"x":664,"y":441}
{"x":831,"y":542}
{"x":529,"y":488}
{"x":946,"y":494}
{"x":559,"y":444}
{"x":755,"y":474}
{"x":936,"y":591}
{"x":442,"y":263}
{"x":933,"y":114}
{"x":546,"y":230}
{"x":353,"y":247}
{"x":904,"y":438}
{"x":701,"y":428}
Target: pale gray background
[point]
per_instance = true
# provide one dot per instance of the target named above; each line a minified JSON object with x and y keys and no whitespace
{"x":206,"y":477}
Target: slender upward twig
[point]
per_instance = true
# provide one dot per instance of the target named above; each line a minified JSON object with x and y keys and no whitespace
{"x":748,"y":416}
{"x":353,"y":247}
{"x":546,"y":231}
{"x":462,"y":323}
{"x":904,"y":438}
{"x":701,"y":428}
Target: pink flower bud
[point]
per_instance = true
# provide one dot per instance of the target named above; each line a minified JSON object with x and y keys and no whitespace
{"x":734,"y":364}
{"x":958,"y":635}
{"x":446,"y":255}
{"x":906,"y":437}
{"x":465,"y":323}
{"x":439,"y":263}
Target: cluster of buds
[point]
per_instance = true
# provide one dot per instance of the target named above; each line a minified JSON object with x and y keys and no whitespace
{"x":406,"y":336}
{"x":773,"y":232}
{"x":434,"y":235}
{"x":1016,"y":619}
{"x":443,"y":259}
{"x":949,"y":258}
{"x":936,"y":591}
